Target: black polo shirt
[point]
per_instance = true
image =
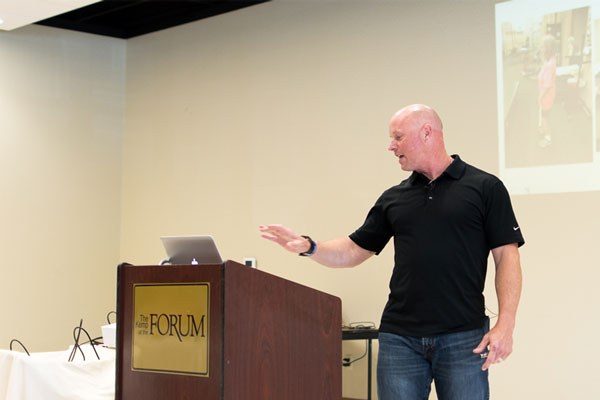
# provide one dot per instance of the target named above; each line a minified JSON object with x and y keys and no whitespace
{"x":443,"y":232}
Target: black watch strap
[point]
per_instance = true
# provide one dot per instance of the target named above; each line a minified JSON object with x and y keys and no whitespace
{"x":311,"y":250}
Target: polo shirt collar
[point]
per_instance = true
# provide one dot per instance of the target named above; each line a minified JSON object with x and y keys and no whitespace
{"x":455,"y":171}
{"x":456,"y":168}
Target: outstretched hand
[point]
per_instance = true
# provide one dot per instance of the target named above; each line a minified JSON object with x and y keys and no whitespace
{"x":285,"y":237}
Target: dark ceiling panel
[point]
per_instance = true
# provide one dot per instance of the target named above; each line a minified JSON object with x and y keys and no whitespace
{"x":125,"y":19}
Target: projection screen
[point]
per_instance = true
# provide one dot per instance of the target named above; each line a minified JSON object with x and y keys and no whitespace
{"x":548,"y":79}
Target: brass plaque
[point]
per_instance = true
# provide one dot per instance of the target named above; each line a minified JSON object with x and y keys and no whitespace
{"x":171,"y":328}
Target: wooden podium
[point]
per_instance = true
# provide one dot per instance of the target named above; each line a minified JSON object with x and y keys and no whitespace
{"x":264,"y":337}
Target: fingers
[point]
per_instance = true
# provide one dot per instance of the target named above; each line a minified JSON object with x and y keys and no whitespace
{"x":482,"y":345}
{"x":494,"y":357}
{"x":266,"y":228}
{"x":273,"y":238}
{"x":279,"y":231}
{"x":272,"y":227}
{"x":268,"y":237}
{"x":491,"y":359}
{"x":285,"y":237}
{"x":497,"y":353}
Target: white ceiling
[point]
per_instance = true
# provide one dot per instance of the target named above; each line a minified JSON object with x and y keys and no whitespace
{"x":17,"y":13}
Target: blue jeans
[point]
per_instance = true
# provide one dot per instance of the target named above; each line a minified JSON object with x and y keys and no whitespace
{"x":407,"y":365}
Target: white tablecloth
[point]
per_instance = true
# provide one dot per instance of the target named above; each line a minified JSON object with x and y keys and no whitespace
{"x":48,"y":376}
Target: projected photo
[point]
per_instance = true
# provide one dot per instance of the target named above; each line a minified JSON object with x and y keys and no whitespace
{"x":548,"y":82}
{"x":548,"y":88}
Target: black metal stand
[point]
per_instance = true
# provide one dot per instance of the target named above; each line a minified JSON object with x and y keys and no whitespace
{"x":368,"y":335}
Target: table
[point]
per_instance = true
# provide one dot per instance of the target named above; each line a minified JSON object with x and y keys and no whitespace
{"x":50,"y":376}
{"x":363,"y":334}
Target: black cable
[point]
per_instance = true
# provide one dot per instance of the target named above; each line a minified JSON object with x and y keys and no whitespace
{"x":494,"y":315}
{"x":108,"y":316}
{"x":350,"y":362}
{"x":77,"y":346}
{"x":22,"y":345}
{"x":90,"y":341}
{"x":96,"y":341}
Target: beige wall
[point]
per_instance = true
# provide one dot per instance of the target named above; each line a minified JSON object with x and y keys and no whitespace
{"x":278,"y":113}
{"x":61,"y":122}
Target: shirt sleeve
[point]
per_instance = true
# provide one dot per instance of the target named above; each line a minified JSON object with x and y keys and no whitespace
{"x":376,"y":231}
{"x":501,"y":226}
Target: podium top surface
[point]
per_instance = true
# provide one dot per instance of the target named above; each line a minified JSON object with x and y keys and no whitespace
{"x":175,"y":271}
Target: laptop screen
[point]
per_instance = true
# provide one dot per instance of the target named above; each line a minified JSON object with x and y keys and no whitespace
{"x":191,"y":250}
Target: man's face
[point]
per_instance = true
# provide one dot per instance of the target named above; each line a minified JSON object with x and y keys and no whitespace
{"x":406,"y":144}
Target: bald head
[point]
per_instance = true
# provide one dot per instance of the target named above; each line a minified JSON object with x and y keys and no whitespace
{"x":418,"y":140}
{"x":416,"y":115}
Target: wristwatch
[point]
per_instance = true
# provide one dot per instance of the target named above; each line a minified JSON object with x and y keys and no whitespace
{"x":311,"y":250}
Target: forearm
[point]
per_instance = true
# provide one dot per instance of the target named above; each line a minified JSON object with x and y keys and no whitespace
{"x":336,"y":253}
{"x":340,"y":253}
{"x":508,"y":288}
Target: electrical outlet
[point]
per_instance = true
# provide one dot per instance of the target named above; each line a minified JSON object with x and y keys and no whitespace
{"x":250,"y":262}
{"x":346,"y":361}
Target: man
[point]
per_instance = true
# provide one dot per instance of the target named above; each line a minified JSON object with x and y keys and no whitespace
{"x":445,"y":219}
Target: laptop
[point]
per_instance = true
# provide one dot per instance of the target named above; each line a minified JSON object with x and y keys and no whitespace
{"x":190,"y":250}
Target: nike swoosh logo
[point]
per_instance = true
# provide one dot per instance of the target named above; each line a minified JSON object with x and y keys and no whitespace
{"x":516,"y":229}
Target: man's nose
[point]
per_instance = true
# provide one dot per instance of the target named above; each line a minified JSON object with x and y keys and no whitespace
{"x":392,"y":145}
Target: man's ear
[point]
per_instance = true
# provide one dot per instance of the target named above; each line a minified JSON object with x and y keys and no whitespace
{"x":426,"y":132}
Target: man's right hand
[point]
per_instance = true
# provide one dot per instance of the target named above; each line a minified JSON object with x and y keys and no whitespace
{"x":336,"y":253}
{"x":285,"y":237}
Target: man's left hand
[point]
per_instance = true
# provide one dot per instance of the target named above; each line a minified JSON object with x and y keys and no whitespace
{"x":499,"y":340}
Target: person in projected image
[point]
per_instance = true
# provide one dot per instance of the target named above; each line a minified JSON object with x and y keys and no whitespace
{"x":445,"y":219}
{"x":547,"y":88}
{"x":572,"y":55}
